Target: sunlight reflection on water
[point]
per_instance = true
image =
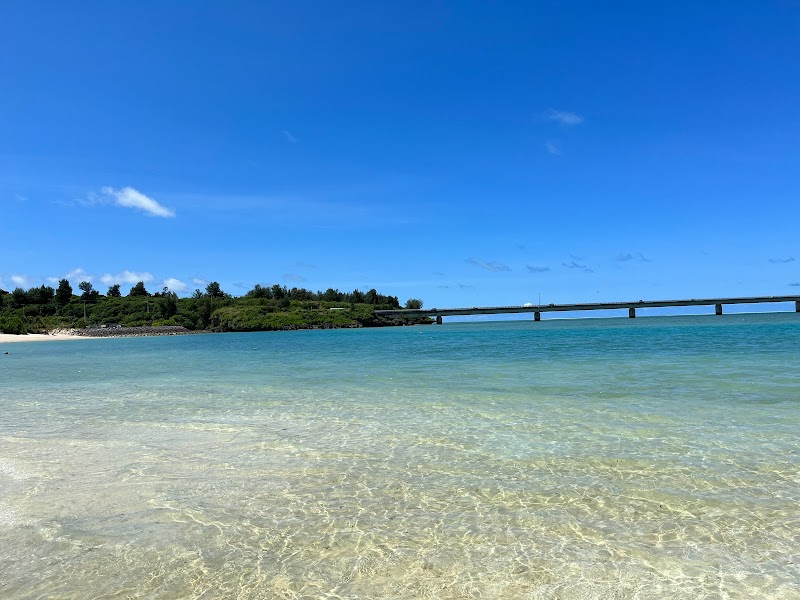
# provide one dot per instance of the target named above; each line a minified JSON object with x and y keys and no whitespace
{"x":594,"y":460}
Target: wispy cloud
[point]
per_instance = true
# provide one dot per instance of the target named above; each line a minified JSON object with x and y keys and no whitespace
{"x":293,"y":277}
{"x":21,"y":281}
{"x":129,"y":197}
{"x":537,"y":269}
{"x":553,"y":147}
{"x":563,"y":117}
{"x":335,"y":209}
{"x":199,"y":281}
{"x":290,"y":138}
{"x":780,"y":261}
{"x":128,"y":277}
{"x":175,"y":285}
{"x":796,"y":284}
{"x":489,"y":266}
{"x":305,"y":265}
{"x":627,"y":257}
{"x":577,"y":266}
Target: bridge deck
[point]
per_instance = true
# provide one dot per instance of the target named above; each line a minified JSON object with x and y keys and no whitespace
{"x":493,"y":310}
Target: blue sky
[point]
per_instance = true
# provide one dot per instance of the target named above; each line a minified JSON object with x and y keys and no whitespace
{"x":464,"y":153}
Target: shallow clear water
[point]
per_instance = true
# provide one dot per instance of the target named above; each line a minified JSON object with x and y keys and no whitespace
{"x":646,"y":458}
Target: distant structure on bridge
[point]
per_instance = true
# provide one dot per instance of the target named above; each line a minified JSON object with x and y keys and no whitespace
{"x":537,"y":310}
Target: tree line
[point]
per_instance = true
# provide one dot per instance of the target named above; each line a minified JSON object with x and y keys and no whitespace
{"x":263,"y":307}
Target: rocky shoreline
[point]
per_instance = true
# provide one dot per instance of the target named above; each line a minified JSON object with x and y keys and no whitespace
{"x":126,"y":331}
{"x":143,"y":331}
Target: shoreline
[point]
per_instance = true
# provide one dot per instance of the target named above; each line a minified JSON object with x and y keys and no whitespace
{"x":11,"y":338}
{"x":94,"y":333}
{"x":155,"y":331}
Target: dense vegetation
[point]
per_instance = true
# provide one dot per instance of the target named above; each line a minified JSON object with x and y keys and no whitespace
{"x":41,"y":309}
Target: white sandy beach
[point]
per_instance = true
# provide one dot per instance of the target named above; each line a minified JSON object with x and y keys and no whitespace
{"x":37,"y":337}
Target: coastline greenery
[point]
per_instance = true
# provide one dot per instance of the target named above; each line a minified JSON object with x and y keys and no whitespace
{"x":264,"y":308}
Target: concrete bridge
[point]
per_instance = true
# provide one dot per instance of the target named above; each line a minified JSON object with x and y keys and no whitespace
{"x":537,"y":310}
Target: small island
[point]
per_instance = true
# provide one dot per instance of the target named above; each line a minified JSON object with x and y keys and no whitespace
{"x":46,"y":309}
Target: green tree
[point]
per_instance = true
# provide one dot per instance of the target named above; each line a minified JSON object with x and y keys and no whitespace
{"x":258,"y":292}
{"x":414,"y":303}
{"x":113,"y":291}
{"x":213,"y":290}
{"x":86,"y":288}
{"x":168,"y":303}
{"x":43,"y":294}
{"x":20,"y":296}
{"x":64,"y":292}
{"x":204,"y":310}
{"x":331,"y":295}
{"x":33,"y":295}
{"x":139,"y":290}
{"x":13,"y":324}
{"x":278,"y":292}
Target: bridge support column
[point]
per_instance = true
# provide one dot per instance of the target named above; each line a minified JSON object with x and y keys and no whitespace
{"x":439,"y":319}
{"x":797,"y":306}
{"x":632,"y":313}
{"x":537,"y":316}
{"x":718,"y":309}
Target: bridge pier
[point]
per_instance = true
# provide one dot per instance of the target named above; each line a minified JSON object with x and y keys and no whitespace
{"x":797,"y":306}
{"x":718,"y":309}
{"x":632,"y":313}
{"x":537,"y":316}
{"x":439,"y":319}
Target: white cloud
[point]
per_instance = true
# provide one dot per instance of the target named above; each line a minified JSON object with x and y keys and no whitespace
{"x":198,"y":281}
{"x":175,"y":285}
{"x":289,"y":137}
{"x":563,"y":117}
{"x":21,"y":281}
{"x":126,"y":277}
{"x":293,"y":277}
{"x":553,"y":147}
{"x":78,"y":275}
{"x":129,"y":197}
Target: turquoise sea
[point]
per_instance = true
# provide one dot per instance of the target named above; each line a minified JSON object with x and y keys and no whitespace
{"x":596,"y":458}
